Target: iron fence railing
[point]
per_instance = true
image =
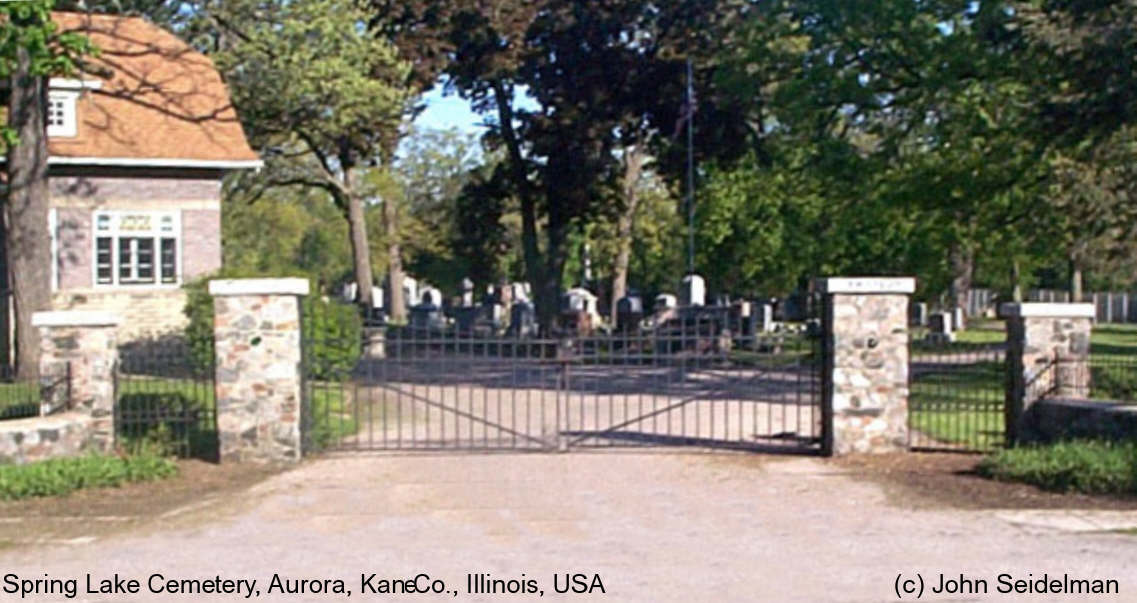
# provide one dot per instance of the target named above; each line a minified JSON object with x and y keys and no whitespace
{"x":23,"y":398}
{"x":165,"y":398}
{"x":957,"y":396}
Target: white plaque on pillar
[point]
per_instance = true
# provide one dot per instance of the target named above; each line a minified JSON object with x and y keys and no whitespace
{"x":858,"y":285}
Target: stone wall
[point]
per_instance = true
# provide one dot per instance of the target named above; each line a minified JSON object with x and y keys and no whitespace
{"x":86,"y":344}
{"x":866,"y":366}
{"x":1053,"y":420}
{"x":1048,"y":348}
{"x":257,"y":341}
{"x":152,"y":312}
{"x":42,"y":438}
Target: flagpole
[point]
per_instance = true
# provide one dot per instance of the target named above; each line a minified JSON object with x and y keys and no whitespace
{"x":690,"y":171}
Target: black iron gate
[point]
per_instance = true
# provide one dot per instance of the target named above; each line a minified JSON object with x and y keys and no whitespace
{"x":422,"y":389}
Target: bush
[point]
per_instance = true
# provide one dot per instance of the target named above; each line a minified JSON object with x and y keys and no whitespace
{"x":1090,"y":467}
{"x":333,"y":336}
{"x":333,"y":331}
{"x":57,"y":477}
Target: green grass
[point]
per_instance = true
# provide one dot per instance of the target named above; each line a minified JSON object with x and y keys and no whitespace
{"x":196,"y":391}
{"x":962,"y":405}
{"x":1113,"y":363}
{"x":19,"y":399}
{"x":58,"y":477}
{"x":1088,"y":467}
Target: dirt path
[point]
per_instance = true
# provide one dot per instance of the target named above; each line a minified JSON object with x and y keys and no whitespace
{"x":655,"y":527}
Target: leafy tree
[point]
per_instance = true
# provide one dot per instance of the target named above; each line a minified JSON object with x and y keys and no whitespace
{"x":318,"y":89}
{"x":31,"y":50}
{"x":586,"y":66}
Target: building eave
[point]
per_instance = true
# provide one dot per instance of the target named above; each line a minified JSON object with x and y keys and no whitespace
{"x":156,"y":162}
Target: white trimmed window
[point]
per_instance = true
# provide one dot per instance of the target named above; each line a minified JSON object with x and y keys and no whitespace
{"x":137,"y":248}
{"x":61,"y":113}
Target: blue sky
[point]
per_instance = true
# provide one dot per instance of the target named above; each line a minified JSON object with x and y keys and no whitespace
{"x":451,"y":111}
{"x":445,"y":112}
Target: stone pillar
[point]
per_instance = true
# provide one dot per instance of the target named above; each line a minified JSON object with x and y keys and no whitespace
{"x":1048,"y":350}
{"x":865,"y":380}
{"x":256,"y":329}
{"x":84,"y":343}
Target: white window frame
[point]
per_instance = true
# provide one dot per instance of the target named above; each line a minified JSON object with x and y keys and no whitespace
{"x":68,"y":98}
{"x":115,"y":233}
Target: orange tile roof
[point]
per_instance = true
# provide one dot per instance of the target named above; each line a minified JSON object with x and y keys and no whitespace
{"x":163,"y":100}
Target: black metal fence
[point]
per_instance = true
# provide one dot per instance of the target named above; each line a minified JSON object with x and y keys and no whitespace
{"x":687,"y":385}
{"x":22,"y":398}
{"x":957,"y":396}
{"x":165,"y":398}
{"x":1113,"y":377}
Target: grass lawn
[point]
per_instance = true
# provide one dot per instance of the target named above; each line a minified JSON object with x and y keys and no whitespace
{"x":960,"y":403}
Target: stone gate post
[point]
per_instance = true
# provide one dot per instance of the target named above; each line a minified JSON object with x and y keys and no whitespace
{"x":865,"y":378}
{"x":256,"y":329}
{"x":84,"y":343}
{"x":1048,"y":350}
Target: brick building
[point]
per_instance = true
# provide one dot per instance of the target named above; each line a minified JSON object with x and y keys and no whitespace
{"x":137,"y":153}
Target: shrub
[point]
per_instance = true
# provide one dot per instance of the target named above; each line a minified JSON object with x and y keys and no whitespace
{"x":333,"y":332}
{"x":1090,"y":467}
{"x":57,"y":477}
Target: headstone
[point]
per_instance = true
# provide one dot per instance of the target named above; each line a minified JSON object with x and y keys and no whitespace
{"x":466,"y":319}
{"x":767,"y":318}
{"x":940,"y":328}
{"x":578,"y":310}
{"x":430,"y":295}
{"x":693,"y":291}
{"x":920,"y":314}
{"x":467,"y":292}
{"x":957,"y":319}
{"x":410,"y":289}
{"x":665,"y":300}
{"x":521,"y":292}
{"x":349,"y":291}
{"x":579,"y":299}
{"x":740,"y":318}
{"x":376,"y":297}
{"x":523,"y":320}
{"x":629,"y":312}
{"x":427,"y":316}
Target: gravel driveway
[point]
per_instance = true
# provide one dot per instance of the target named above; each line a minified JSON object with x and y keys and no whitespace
{"x":654,"y":527}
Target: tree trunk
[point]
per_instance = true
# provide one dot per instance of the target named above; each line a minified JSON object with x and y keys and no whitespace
{"x":357,"y":229}
{"x":1076,"y":294}
{"x":6,"y":358}
{"x":633,"y":164}
{"x":962,"y":262}
{"x":396,"y":304}
{"x":534,"y":264}
{"x":28,"y":239}
{"x":1016,"y":281}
